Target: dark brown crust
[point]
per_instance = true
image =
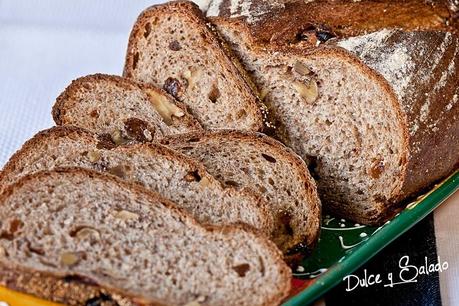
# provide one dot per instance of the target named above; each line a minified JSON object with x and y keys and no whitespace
{"x":309,"y":240}
{"x":53,"y":287}
{"x":67,"y":98}
{"x":282,"y":21}
{"x":192,"y":12}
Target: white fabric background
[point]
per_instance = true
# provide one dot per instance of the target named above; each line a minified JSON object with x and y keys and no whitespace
{"x":44,"y":44}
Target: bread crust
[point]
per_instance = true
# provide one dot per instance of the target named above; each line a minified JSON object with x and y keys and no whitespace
{"x":192,"y":12}
{"x":431,"y":153}
{"x":77,"y":290}
{"x":156,"y":149}
{"x":309,"y":239}
{"x":67,"y":98}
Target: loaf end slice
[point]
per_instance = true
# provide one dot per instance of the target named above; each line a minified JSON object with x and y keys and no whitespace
{"x":75,"y":236}
{"x":122,"y":108}
{"x":172,"y":46}
{"x":257,"y":162}
{"x":170,"y":173}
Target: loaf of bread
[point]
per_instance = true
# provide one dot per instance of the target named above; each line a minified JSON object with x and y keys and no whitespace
{"x":171,"y":46}
{"x":171,"y":174}
{"x":253,"y":160}
{"x":80,"y":237}
{"x":121,"y":108}
{"x":366,"y":92}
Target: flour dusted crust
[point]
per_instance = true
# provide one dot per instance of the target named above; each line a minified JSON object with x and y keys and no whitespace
{"x":423,"y":70}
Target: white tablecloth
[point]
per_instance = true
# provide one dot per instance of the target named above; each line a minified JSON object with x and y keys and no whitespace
{"x":44,"y":44}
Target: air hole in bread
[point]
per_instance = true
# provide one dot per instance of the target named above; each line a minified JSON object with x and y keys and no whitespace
{"x":285,"y":218}
{"x":232,"y":183}
{"x":241,"y":114}
{"x":241,"y":269}
{"x":193,"y":139}
{"x":268,"y":158}
{"x":147,"y":30}
{"x":174,"y":45}
{"x":135,"y":60}
{"x":377,"y":168}
{"x":193,"y":176}
{"x":94,"y":113}
{"x":214,"y":93}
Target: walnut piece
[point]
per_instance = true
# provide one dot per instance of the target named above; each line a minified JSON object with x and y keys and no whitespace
{"x":164,"y":107}
{"x":94,"y":156}
{"x":126,"y":215}
{"x":309,"y":91}
{"x":69,"y":258}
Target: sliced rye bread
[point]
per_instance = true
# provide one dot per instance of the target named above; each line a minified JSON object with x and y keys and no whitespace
{"x":122,"y":108}
{"x":366,"y":131}
{"x":253,"y":160}
{"x":170,"y":173}
{"x":172,"y":46}
{"x":78,"y":237}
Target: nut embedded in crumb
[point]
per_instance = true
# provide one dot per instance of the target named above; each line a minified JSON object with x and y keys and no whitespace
{"x":86,"y":232}
{"x":126,"y":215}
{"x":301,"y":69}
{"x":308,"y":91}
{"x":166,"y":109}
{"x":117,"y":137}
{"x":94,"y":156}
{"x":69,"y":258}
{"x":205,"y":182}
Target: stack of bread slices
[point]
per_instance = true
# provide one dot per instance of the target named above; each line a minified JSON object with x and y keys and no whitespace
{"x":162,"y":187}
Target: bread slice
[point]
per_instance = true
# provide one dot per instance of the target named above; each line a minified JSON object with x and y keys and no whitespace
{"x":171,"y":46}
{"x":174,"y":175}
{"x":253,"y":160}
{"x":122,"y":108}
{"x":366,"y":131}
{"x":80,"y":237}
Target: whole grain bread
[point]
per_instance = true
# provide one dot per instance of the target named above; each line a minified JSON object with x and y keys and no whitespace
{"x":253,"y":160}
{"x":366,"y":119}
{"x":172,"y":46}
{"x":173,"y":175}
{"x":122,"y":108}
{"x":80,"y":237}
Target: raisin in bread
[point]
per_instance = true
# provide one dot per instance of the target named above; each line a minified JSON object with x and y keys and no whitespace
{"x":366,"y":111}
{"x":173,"y":175}
{"x":84,"y":237}
{"x":172,"y":46}
{"x":122,"y":108}
{"x":253,"y":160}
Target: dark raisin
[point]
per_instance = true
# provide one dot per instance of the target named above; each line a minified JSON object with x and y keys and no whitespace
{"x":323,"y":36}
{"x":268,"y":158}
{"x":242,"y":269}
{"x":138,"y":130}
{"x":174,"y":45}
{"x":173,"y":87}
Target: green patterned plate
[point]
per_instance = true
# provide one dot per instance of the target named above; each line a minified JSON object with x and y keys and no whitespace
{"x":344,"y":246}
